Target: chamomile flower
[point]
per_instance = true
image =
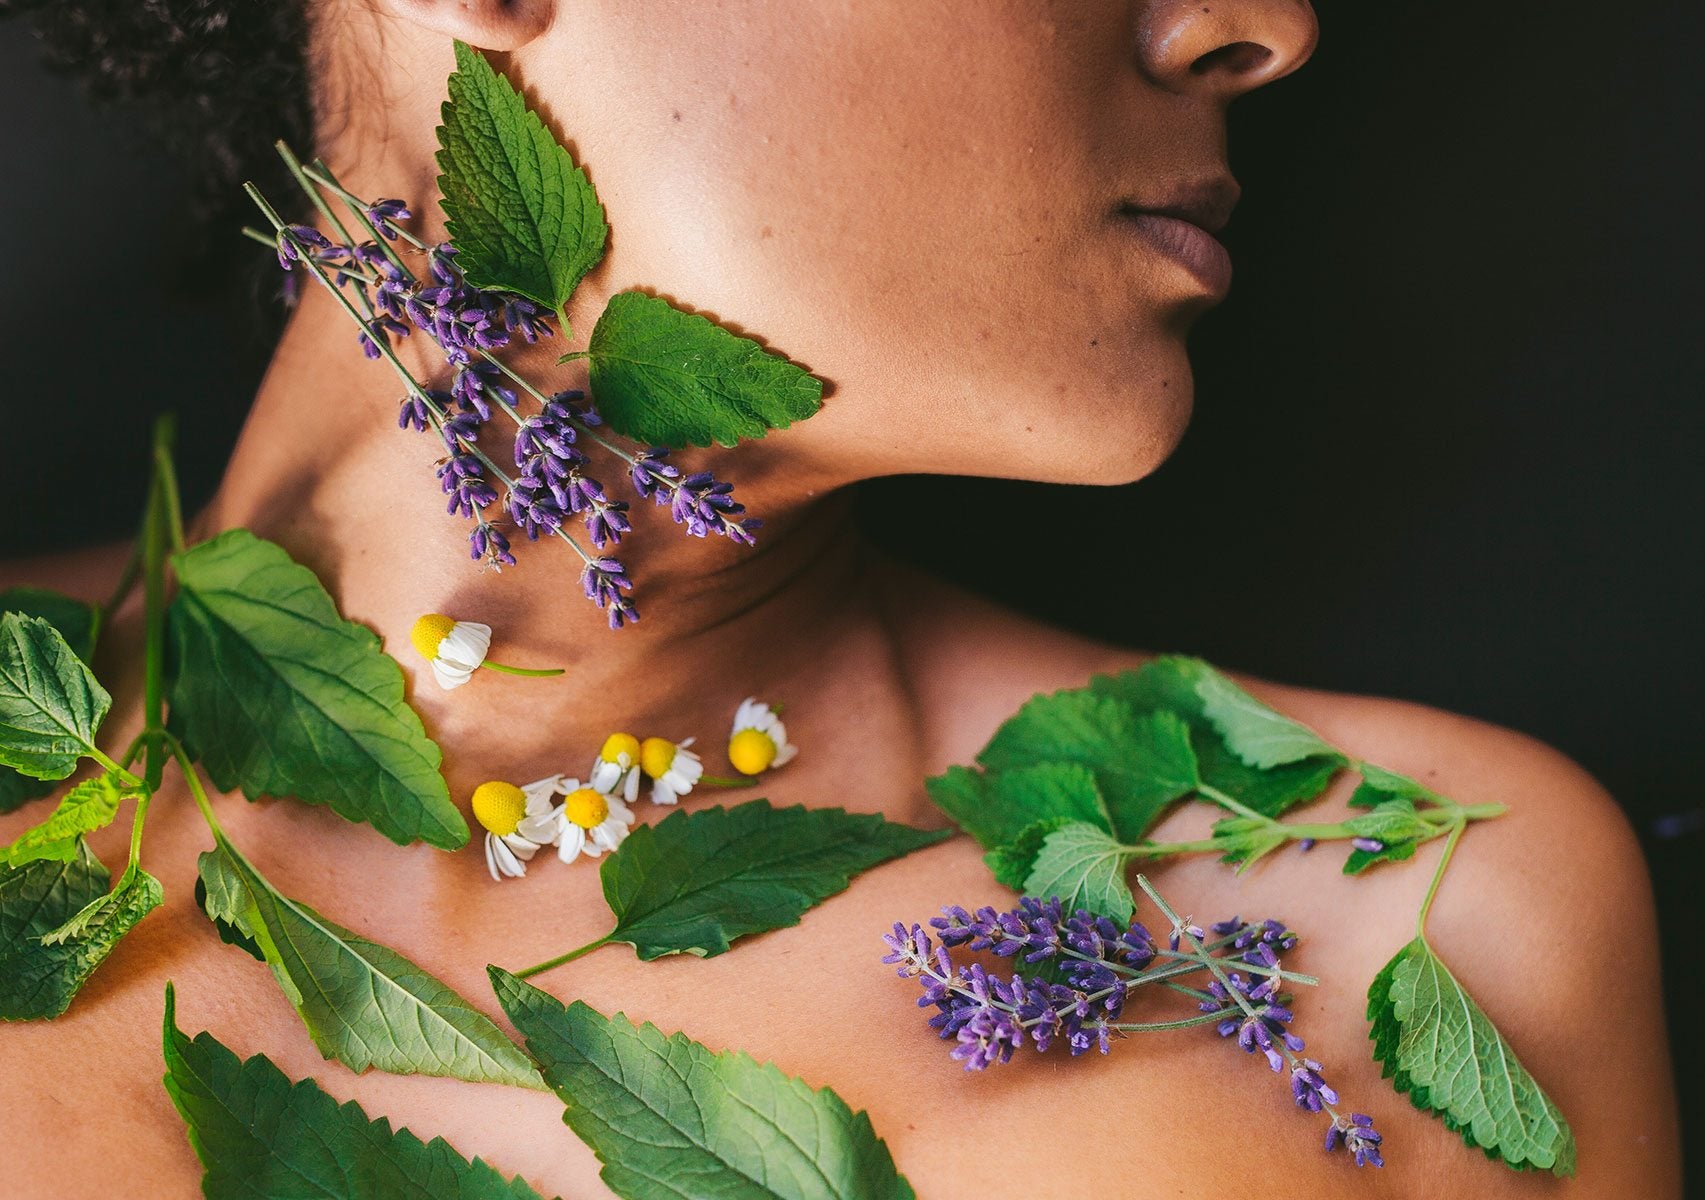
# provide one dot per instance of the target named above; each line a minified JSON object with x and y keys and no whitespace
{"x":617,"y":766}
{"x":456,"y":649}
{"x":589,"y":821}
{"x":759,"y":739}
{"x":500,"y":808}
{"x":672,"y":768}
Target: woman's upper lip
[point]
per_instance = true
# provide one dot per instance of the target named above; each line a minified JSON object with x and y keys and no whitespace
{"x":1207,"y":204}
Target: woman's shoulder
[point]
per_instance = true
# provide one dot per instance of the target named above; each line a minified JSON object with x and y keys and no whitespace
{"x":88,"y":573}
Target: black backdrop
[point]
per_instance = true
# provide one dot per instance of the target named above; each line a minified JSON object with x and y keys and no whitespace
{"x":1447,"y":425}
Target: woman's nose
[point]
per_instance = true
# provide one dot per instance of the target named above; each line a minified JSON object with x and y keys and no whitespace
{"x":1222,"y":48}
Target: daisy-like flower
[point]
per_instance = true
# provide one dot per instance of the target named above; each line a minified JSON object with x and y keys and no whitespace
{"x":589,"y":821}
{"x":456,"y":649}
{"x":617,"y":766}
{"x":672,"y":768}
{"x":500,"y":808}
{"x":759,"y":739}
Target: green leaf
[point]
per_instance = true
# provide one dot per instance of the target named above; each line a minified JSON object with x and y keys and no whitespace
{"x":522,"y":215}
{"x":1169,"y":684}
{"x":1379,"y":785}
{"x":696,"y":881}
{"x":1242,"y":842}
{"x":671,"y":1120}
{"x":1393,"y":822}
{"x":1141,"y":763}
{"x":89,"y":806}
{"x":278,"y":695}
{"x":1441,"y":1050}
{"x":39,"y":979}
{"x":75,"y":621}
{"x":50,"y":704}
{"x":1013,"y":862}
{"x":364,"y":1004}
{"x":1085,"y":868}
{"x":1255,"y":733}
{"x":261,"y":1137}
{"x":997,"y":808}
{"x":666,"y":377}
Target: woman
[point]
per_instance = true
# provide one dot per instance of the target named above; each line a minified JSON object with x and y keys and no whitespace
{"x":988,"y":228}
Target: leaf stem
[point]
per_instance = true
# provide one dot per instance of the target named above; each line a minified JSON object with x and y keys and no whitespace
{"x":528,"y":671}
{"x":1180,"y":1023}
{"x":156,"y":530}
{"x":1438,"y":877}
{"x":1232,"y":804}
{"x":194,"y":781}
{"x":560,"y":959}
{"x":724,"y":781}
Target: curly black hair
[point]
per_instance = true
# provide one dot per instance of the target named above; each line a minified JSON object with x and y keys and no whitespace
{"x":220,"y":80}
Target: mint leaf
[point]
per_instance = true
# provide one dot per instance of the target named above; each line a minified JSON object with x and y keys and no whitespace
{"x":261,"y":1137}
{"x":1170,"y":684}
{"x":666,"y":377}
{"x":1085,"y":868}
{"x":279,"y":695}
{"x":364,"y":1004}
{"x":89,"y":806}
{"x":1255,"y":733}
{"x":696,"y":881}
{"x":76,"y":623}
{"x":1242,"y":841}
{"x":105,"y":919}
{"x":1392,"y":821}
{"x":521,"y":214}
{"x":50,"y":704}
{"x":40,"y":979}
{"x":996,"y":808}
{"x":1378,"y":785}
{"x":1141,"y":763}
{"x":669,"y":1118}
{"x":1441,"y":1050}
{"x":1011,"y":863}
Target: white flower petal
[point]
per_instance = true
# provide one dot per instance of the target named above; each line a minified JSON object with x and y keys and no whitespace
{"x":466,"y":643}
{"x":523,"y":847}
{"x":450,"y":675}
{"x":630,"y":785}
{"x":784,"y":755}
{"x":571,"y":843}
{"x":542,"y":827}
{"x":663,"y":793}
{"x":605,"y":775}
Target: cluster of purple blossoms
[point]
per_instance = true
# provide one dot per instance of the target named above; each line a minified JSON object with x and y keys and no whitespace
{"x":1091,"y":964}
{"x":552,"y":486}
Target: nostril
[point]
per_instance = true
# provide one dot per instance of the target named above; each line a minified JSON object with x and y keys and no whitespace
{"x":1236,"y":59}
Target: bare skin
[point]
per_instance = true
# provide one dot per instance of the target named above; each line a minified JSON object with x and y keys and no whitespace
{"x":889,"y":677}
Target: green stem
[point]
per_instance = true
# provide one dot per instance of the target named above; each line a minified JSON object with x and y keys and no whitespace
{"x":1181,"y":1023}
{"x":294,"y":165}
{"x":1438,"y":877}
{"x":194,"y":781}
{"x":167,"y":474}
{"x":136,"y":827}
{"x":528,"y":671}
{"x":723,"y":781}
{"x":1207,"y":960}
{"x":560,"y":959}
{"x":1232,"y":804}
{"x":156,"y":530}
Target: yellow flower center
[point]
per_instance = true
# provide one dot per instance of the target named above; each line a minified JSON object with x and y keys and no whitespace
{"x":429,"y":633}
{"x":618,"y":744}
{"x":656,"y":756}
{"x":499,"y":807}
{"x":586,"y":808}
{"x":751,"y":751}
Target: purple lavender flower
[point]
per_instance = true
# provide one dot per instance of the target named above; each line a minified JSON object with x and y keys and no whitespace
{"x":462,"y":480}
{"x":1367,"y":845}
{"x":386,"y":213}
{"x":1309,"y":1088}
{"x":291,"y":238}
{"x":604,"y":580}
{"x":1358,"y":1137}
{"x":699,"y":501}
{"x":1254,"y":1030}
{"x":487,"y":542}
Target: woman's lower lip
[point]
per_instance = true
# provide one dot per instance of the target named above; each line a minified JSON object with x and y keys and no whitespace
{"x":1190,"y":246}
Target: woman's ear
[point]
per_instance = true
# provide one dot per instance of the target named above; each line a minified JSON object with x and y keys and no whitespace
{"x":501,"y":25}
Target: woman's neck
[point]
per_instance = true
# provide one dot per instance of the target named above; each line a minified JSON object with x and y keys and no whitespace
{"x":323,"y":469}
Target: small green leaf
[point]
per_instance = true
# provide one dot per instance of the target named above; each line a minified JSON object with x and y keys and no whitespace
{"x":229,"y":901}
{"x":666,"y":377}
{"x":1440,"y":1049}
{"x":261,"y":1137}
{"x":89,"y":806}
{"x":1012,"y":863}
{"x":696,"y":881}
{"x":521,"y":214}
{"x":364,"y":1004}
{"x":997,"y":808}
{"x":1085,"y":868}
{"x":50,"y":703}
{"x":672,"y":1120}
{"x":1243,"y":842}
{"x":75,"y":621}
{"x":1379,"y":785}
{"x":1257,"y":734}
{"x":1169,"y":684}
{"x":279,"y":695}
{"x":39,"y":979}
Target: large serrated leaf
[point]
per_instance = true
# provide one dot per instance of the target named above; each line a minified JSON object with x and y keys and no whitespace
{"x":996,"y":808}
{"x":38,"y":979}
{"x":672,"y":1120}
{"x":1169,"y":684}
{"x":50,"y":703}
{"x":363,"y":1003}
{"x":278,"y":695}
{"x":666,"y":377}
{"x":696,"y":881}
{"x":1442,"y":1050}
{"x":521,"y":214}
{"x":1085,"y":868}
{"x":1141,"y":762}
{"x":1259,"y":735}
{"x":76,"y":623}
{"x":260,"y":1136}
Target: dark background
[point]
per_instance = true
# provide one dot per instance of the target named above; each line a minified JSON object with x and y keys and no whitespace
{"x":1447,"y":431}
